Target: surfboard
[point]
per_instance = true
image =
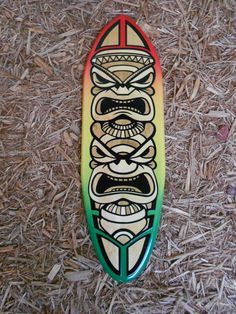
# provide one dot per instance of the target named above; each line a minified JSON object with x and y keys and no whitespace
{"x":123,"y":153}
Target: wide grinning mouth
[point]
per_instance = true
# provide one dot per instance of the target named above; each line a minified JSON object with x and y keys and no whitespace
{"x":138,"y":105}
{"x":139,"y":184}
{"x":123,"y":127}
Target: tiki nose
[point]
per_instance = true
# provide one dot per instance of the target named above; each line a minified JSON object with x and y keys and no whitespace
{"x":122,"y":90}
{"x":123,"y":167}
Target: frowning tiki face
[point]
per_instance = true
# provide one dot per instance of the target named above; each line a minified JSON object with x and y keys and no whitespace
{"x":119,"y":176}
{"x":122,"y":86}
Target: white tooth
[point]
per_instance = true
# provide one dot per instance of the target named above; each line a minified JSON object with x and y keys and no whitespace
{"x":109,"y":207}
{"x":127,"y":210}
{"x":118,"y":210}
{"x":136,"y":207}
{"x":105,"y":127}
{"x":123,"y":210}
{"x":139,"y":128}
{"x":131,"y":132}
{"x":114,"y":209}
{"x":126,"y":134}
{"x":122,"y":134}
{"x":131,"y":209}
{"x":115,"y":132}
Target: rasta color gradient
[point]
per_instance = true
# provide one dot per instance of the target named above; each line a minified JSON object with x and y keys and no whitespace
{"x":123,"y":155}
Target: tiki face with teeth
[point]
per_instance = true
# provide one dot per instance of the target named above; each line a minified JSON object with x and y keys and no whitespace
{"x":122,"y":184}
{"x":109,"y":185}
{"x":122,"y":85}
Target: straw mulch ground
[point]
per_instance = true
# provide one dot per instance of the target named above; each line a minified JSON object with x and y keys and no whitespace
{"x":47,"y":263}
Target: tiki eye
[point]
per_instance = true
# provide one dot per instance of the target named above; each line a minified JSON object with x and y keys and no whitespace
{"x":100,"y":154}
{"x":148,"y":153}
{"x":101,"y":79}
{"x":143,"y":79}
{"x":145,"y":154}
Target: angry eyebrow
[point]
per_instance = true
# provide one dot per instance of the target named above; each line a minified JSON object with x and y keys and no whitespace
{"x":138,"y":72}
{"x":107,"y":72}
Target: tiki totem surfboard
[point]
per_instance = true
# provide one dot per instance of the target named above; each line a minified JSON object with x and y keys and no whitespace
{"x":123,"y":158}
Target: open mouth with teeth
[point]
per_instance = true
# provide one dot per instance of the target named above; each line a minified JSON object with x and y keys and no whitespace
{"x":138,"y":105}
{"x":127,"y":209}
{"x":140,"y":184}
{"x":123,"y":127}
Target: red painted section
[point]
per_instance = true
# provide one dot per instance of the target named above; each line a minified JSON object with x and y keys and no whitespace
{"x":123,"y":19}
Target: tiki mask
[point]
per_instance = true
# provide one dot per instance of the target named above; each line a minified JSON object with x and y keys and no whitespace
{"x":122,"y":84}
{"x":122,"y":148}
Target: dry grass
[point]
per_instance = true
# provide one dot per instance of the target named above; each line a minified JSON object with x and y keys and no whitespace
{"x":47,"y":263}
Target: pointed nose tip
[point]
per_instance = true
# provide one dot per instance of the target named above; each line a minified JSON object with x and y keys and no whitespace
{"x":122,"y":90}
{"x":123,"y":167}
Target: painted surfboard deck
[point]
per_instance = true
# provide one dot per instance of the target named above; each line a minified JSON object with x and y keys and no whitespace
{"x":123,"y":154}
